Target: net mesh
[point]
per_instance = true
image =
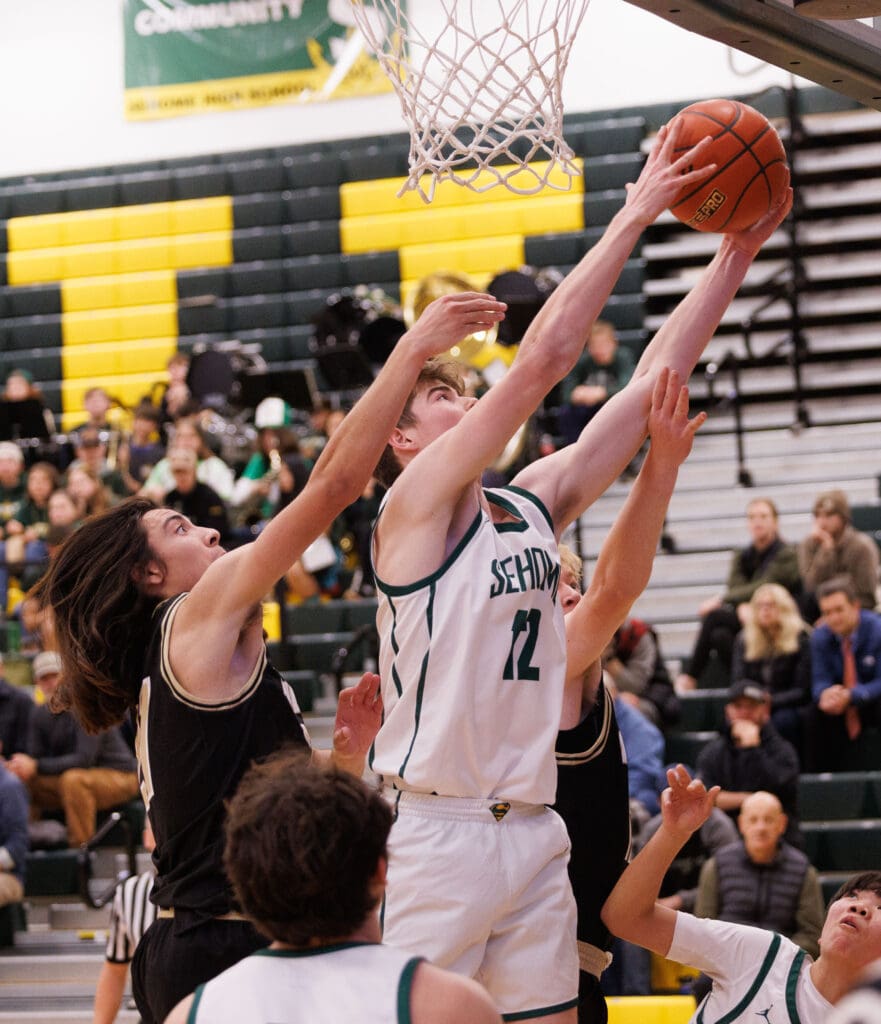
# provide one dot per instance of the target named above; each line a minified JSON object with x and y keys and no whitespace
{"x":480,"y":85}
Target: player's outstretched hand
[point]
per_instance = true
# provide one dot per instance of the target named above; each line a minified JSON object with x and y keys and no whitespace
{"x":670,"y":429}
{"x":449,"y":319}
{"x":664,"y":174}
{"x":358,"y":718}
{"x":685,"y":804}
{"x":752,"y":239}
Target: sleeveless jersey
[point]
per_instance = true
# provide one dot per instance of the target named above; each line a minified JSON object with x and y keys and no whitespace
{"x":593,"y":801}
{"x":350,"y":982}
{"x":472,"y":662}
{"x":191,"y":756}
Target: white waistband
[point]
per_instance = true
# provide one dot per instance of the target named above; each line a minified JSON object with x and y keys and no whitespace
{"x":459,"y":808}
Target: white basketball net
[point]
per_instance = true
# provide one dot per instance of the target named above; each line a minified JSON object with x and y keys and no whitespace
{"x":480,"y":83}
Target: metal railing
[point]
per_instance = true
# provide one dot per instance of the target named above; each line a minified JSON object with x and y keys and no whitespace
{"x":785,"y":284}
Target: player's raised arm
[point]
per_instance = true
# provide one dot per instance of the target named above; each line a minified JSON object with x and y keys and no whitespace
{"x":625,"y":560}
{"x":569,"y":481}
{"x":632,"y":912}
{"x":552,"y":344}
{"x":345,"y":465}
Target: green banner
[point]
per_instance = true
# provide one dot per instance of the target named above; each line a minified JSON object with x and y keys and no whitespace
{"x":192,"y":56}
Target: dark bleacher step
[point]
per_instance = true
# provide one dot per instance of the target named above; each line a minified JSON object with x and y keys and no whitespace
{"x":847,"y":845}
{"x":702,"y":710}
{"x":839,"y":795}
{"x":684,"y":747}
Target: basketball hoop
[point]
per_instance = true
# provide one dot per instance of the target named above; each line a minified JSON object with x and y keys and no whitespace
{"x":480,"y":85}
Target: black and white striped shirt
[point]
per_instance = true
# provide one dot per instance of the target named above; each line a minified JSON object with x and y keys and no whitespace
{"x":131,"y":915}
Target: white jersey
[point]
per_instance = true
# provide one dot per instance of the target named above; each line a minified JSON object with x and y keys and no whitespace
{"x":352,"y":981}
{"x":757,"y":975}
{"x":473,"y":661}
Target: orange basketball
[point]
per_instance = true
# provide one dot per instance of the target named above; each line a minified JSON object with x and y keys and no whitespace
{"x":750,"y":163}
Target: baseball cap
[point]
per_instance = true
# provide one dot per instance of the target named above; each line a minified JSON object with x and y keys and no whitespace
{"x":748,"y":688}
{"x":10,"y":450}
{"x":45,"y":663}
{"x":272,"y":412}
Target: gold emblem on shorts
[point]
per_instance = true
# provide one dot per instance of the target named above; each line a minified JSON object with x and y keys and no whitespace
{"x":498,"y":811}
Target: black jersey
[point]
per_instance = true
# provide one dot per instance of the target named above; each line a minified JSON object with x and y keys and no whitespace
{"x":593,"y":801}
{"x":191,"y":756}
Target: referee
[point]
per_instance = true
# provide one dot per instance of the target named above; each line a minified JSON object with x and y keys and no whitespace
{"x":131,"y":915}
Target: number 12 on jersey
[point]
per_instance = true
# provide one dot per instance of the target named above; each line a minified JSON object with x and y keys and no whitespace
{"x":525,"y":622}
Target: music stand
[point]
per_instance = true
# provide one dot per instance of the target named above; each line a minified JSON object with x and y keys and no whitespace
{"x":344,"y":367}
{"x":296,"y":386}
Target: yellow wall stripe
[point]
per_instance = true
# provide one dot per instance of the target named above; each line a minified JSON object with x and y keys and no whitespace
{"x":116,"y":290}
{"x":539,"y":215}
{"x":362,"y":198}
{"x":146,"y":355}
{"x":210,"y":249}
{"x":490,"y":255}
{"x":120,"y":223}
{"x":90,"y":326}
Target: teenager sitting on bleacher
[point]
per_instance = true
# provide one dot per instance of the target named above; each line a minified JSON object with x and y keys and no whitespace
{"x":767,"y":559}
{"x":774,"y":648}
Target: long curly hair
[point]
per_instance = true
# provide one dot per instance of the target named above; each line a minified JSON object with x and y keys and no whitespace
{"x":102,"y":619}
{"x":761,"y":643}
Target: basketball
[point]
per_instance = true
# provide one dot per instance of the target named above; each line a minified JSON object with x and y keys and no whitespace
{"x":750,"y":173}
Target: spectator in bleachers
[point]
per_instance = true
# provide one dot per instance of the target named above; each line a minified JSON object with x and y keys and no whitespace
{"x":846,"y":673}
{"x":25,"y":533}
{"x":774,"y":649}
{"x":276,"y":472}
{"x":12,"y":495}
{"x":91,"y":452}
{"x":142,"y":449}
{"x":602,"y":371}
{"x":64,"y":510}
{"x":85,"y":487}
{"x":201,"y":504}
{"x":175,"y":394}
{"x":633,"y":660}
{"x":750,"y":755}
{"x":97,"y":404}
{"x":763,"y":880}
{"x":211,"y":470}
{"x":767,"y":559}
{"x":23,"y":411}
{"x":16,"y":707}
{"x":834,"y":548}
{"x":68,"y":768}
{"x":13,"y":836}
{"x":644,"y":744}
